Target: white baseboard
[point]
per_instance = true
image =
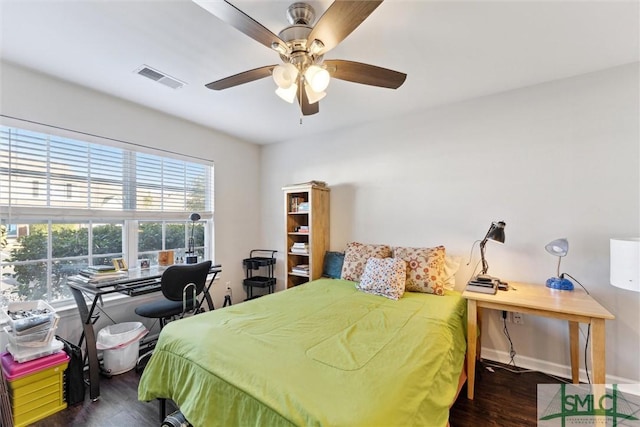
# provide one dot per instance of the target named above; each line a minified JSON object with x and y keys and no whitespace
{"x":556,"y":369}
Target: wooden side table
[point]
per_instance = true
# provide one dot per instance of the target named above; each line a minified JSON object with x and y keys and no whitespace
{"x":574,"y":306}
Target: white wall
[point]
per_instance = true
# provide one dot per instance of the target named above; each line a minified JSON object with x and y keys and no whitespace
{"x":36,"y":97}
{"x":560,"y":159}
{"x":555,"y":160}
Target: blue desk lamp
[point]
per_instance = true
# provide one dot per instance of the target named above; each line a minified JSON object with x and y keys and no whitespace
{"x":559,"y":248}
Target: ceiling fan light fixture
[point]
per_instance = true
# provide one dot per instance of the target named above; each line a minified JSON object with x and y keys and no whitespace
{"x":303,"y":44}
{"x":313,"y":96}
{"x":316,"y":47}
{"x":317,"y":77}
{"x":280,"y":48}
{"x":285,"y":75}
{"x":288,"y":94}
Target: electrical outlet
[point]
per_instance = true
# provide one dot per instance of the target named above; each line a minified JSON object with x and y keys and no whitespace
{"x":518,"y":318}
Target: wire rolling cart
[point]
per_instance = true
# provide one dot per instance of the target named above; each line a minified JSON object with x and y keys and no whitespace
{"x":259,"y":271}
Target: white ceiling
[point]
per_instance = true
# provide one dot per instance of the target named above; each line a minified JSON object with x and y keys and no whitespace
{"x":450,"y":50}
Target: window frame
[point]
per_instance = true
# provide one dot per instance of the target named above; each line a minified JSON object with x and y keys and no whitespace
{"x":16,"y":216}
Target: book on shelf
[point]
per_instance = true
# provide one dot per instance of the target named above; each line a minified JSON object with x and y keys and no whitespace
{"x":298,"y":204}
{"x":300,"y":248}
{"x":300,"y":269}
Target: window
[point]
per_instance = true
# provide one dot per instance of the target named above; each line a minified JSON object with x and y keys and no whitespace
{"x":154,"y":237}
{"x":67,"y":203}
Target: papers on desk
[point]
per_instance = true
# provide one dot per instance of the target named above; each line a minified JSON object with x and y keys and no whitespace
{"x":483,"y":286}
{"x":85,"y":277}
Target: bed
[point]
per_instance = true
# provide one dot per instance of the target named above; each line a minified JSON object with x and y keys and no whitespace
{"x":319,"y":354}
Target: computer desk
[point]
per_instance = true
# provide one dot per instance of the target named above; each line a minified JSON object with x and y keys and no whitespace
{"x":135,"y":280}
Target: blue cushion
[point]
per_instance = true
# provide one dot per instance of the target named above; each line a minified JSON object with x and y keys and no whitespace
{"x":333,"y":264}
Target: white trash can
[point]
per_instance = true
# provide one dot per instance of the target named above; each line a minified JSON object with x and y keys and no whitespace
{"x":120,"y":344}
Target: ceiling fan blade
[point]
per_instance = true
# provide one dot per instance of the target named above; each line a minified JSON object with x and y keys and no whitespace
{"x":241,"y":21}
{"x":339,"y":21}
{"x":241,"y":78}
{"x":306,"y":108}
{"x":365,"y":74}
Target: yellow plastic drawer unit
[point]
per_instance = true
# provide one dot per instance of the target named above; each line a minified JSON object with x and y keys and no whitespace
{"x":36,"y":387}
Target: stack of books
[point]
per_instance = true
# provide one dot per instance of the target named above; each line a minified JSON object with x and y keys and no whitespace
{"x":303,"y":229}
{"x":301,"y":269}
{"x":483,"y":284}
{"x":295,"y":201}
{"x":101,"y":273}
{"x":314,"y":182}
{"x":300,"y":248}
{"x":303,"y":207}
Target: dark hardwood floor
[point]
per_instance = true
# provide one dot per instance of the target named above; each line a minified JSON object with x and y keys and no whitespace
{"x":502,"y":398}
{"x":118,"y":406}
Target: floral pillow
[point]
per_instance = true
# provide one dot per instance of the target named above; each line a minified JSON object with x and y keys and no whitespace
{"x":356,"y":256}
{"x":425,"y":269}
{"x":385,"y":277}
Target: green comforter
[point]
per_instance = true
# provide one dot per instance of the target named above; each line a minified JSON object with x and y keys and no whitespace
{"x":320,"y":354}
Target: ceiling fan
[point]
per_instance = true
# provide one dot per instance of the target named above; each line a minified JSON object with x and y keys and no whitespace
{"x":304,"y":73}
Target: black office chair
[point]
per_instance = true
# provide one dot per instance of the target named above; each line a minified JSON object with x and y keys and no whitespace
{"x":181,"y":285}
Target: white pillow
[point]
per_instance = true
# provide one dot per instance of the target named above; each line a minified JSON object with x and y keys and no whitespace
{"x":451,"y":266}
{"x":385,"y":277}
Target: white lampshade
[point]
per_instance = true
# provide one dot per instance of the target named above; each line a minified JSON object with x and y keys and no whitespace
{"x":558,"y":247}
{"x":625,"y":263}
{"x":312,"y":96}
{"x":288,"y":94}
{"x":317,"y":77}
{"x":285,"y":75}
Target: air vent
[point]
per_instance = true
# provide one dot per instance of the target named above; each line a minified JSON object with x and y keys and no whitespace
{"x":160,"y":77}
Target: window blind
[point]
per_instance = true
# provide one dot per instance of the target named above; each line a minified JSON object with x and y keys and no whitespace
{"x":40,"y":171}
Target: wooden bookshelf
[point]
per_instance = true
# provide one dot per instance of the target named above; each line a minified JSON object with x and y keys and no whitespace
{"x":306,"y":209}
